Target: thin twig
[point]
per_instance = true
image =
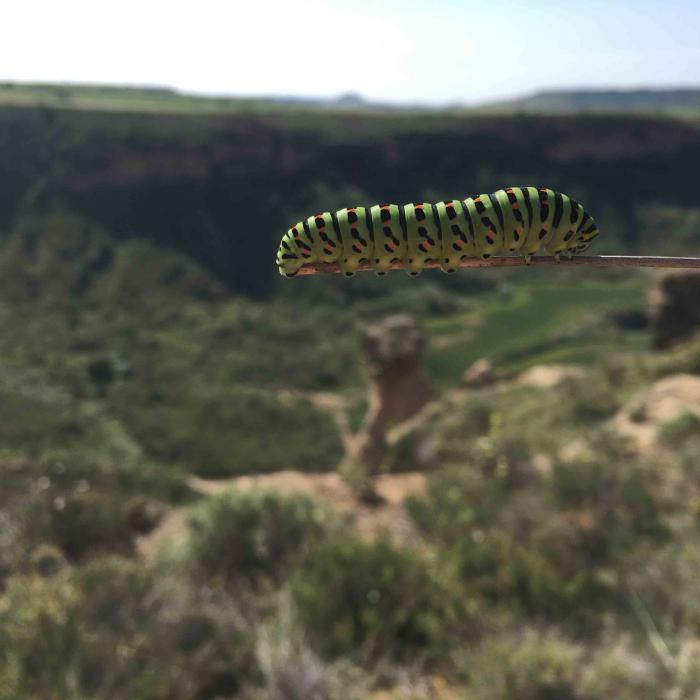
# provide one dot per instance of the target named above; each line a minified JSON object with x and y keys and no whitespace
{"x":537,"y":261}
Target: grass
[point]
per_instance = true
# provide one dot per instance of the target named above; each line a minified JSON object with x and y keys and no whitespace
{"x":537,"y":322}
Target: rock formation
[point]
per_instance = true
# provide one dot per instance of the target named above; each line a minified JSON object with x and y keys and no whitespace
{"x":393,"y":350}
{"x":674,"y":308}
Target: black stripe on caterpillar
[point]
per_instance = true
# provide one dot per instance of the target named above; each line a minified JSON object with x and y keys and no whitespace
{"x":515,"y":220}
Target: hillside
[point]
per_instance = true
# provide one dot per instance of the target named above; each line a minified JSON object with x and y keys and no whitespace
{"x":173,"y":415}
{"x":681,"y":103}
{"x":162,"y":100}
{"x":221,"y":189}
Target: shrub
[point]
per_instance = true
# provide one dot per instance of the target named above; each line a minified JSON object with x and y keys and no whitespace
{"x":235,"y":432}
{"x":667,"y":668}
{"x":119,"y":630}
{"x":593,"y":398}
{"x":558,"y":551}
{"x":80,"y":524}
{"x":666,"y":580}
{"x":373,"y":600}
{"x":528,"y":665}
{"x":680,"y":429}
{"x":85,"y":507}
{"x":253,"y":536}
{"x":617,"y":499}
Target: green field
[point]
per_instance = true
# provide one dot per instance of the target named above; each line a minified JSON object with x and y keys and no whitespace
{"x":537,"y":322}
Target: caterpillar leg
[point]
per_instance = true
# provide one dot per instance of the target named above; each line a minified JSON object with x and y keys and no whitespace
{"x":446,"y":268}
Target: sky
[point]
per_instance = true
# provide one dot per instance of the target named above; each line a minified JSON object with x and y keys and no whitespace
{"x":437,"y":52}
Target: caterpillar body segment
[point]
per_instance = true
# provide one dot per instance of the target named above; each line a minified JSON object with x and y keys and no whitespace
{"x":357,"y":244}
{"x":389,"y":238}
{"x":513,"y":226}
{"x":457,"y":234}
{"x":511,"y":221}
{"x":327,"y":240}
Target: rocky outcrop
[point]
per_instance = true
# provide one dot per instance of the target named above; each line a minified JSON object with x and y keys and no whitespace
{"x":647,"y":412}
{"x":393,"y":351}
{"x":674,"y":308}
{"x":478,"y":374}
{"x":548,"y":376}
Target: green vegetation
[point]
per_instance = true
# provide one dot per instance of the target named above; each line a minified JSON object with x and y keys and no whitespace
{"x":116,"y":630}
{"x":374,"y":601}
{"x":680,"y":103}
{"x":253,"y":537}
{"x":149,"y":346}
{"x":537,"y":323}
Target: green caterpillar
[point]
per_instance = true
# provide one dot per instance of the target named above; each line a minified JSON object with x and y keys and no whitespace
{"x":519,"y":220}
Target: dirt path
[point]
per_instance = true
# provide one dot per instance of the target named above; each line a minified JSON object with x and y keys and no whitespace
{"x":331,"y":491}
{"x":328,"y":489}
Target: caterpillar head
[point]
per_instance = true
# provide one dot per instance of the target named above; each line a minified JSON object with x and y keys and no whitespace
{"x":289,"y":258}
{"x":288,"y":268}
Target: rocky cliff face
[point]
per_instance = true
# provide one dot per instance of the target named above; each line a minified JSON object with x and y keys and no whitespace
{"x":223,"y":189}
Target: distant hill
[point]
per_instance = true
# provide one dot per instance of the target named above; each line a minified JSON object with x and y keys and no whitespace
{"x":676,"y":102}
{"x":126,"y":98}
{"x":162,"y":100}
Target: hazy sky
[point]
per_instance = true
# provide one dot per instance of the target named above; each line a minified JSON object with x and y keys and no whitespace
{"x":439,"y":51}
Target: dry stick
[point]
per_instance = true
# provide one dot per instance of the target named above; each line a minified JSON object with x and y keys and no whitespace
{"x":590,"y":260}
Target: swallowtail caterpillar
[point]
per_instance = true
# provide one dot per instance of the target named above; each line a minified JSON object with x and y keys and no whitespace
{"x":516,"y":220}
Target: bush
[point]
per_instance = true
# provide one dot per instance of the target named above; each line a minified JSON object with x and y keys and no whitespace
{"x":666,"y":580}
{"x":529,"y":665}
{"x":254,"y":536}
{"x":80,"y":524}
{"x":680,"y":429}
{"x":616,"y":499}
{"x":373,"y":600}
{"x":235,"y":432}
{"x":593,"y":398}
{"x":119,"y":630}
{"x":558,"y":551}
